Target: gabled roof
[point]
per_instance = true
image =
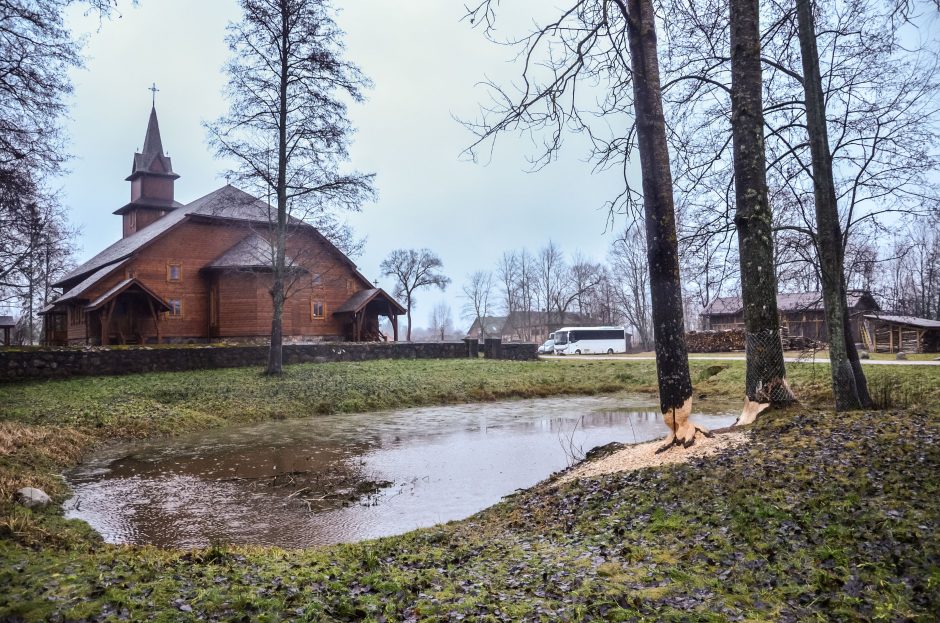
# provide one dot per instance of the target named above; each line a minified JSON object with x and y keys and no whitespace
{"x":252,"y":251}
{"x":786,"y":302}
{"x":913,"y":321}
{"x":227,"y":202}
{"x":89,"y":281}
{"x":362,"y":298}
{"x":125,"y":285}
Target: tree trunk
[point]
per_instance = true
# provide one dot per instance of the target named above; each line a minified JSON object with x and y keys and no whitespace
{"x":829,"y":231}
{"x":276,"y":352}
{"x":765,"y":380}
{"x":672,"y":363}
{"x":408,"y":301}
{"x":861,"y":383}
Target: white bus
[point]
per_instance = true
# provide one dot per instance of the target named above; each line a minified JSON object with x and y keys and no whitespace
{"x":591,"y":340}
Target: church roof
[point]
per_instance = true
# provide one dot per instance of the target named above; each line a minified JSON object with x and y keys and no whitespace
{"x":227,"y":203}
{"x":151,"y":159}
{"x":76,"y":291}
{"x":251,"y":252}
{"x":362,"y":298}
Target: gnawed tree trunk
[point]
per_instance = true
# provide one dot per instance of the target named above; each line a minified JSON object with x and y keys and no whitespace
{"x":672,"y":362}
{"x":829,"y":247}
{"x":765,"y":381}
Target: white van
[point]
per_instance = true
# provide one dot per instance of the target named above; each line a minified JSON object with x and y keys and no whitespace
{"x":590,"y":340}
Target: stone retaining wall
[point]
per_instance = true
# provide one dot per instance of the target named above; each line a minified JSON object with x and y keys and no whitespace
{"x":61,"y":363}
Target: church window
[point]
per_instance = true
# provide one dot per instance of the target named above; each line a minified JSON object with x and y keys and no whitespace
{"x":176,"y":308}
{"x":174,"y":272}
{"x":77,"y":316}
{"x":317,"y":310}
{"x":317,"y":278}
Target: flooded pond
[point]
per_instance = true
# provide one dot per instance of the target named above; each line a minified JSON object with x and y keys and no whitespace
{"x":344,"y":478}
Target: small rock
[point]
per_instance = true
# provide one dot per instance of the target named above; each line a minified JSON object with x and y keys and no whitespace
{"x":30,"y":497}
{"x":864,"y":355}
{"x":901,"y":356}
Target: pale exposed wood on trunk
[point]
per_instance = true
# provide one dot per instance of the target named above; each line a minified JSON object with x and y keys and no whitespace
{"x":675,"y":384}
{"x":765,"y":366}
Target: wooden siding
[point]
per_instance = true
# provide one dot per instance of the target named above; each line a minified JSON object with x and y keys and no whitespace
{"x":243,"y":298}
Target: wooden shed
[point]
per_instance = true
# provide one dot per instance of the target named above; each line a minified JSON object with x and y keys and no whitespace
{"x":893,"y":334}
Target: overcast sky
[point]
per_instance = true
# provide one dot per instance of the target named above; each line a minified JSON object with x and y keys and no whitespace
{"x":426,"y":65}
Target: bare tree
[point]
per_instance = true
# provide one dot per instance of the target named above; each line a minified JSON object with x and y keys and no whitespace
{"x":911,"y":284}
{"x":552,"y":281}
{"x":630,"y":276}
{"x":848,"y":380}
{"x":507,"y":271}
{"x":610,"y":45}
{"x":441,"y":321}
{"x":477,"y":294}
{"x":765,"y":378}
{"x":37,"y":52}
{"x":287,"y":125}
{"x":878,"y":106}
{"x":413,"y":270}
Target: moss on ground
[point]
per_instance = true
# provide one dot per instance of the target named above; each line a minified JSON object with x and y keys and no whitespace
{"x":820,"y":517}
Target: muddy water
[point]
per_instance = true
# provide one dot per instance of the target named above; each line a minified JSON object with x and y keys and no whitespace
{"x":343,"y":478}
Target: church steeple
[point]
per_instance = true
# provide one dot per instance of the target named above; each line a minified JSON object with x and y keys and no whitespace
{"x":150,"y":160}
{"x":152,"y":142}
{"x":151,"y":179}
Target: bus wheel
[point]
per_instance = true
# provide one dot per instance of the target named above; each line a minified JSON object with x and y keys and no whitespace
{"x":577,"y":352}
{"x":610,"y":351}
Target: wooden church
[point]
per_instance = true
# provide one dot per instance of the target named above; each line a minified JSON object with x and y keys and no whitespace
{"x":201,"y":272}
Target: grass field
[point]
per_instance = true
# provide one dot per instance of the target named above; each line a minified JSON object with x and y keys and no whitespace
{"x":819,"y":517}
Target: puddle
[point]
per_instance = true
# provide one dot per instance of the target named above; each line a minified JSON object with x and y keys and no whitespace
{"x":344,"y":478}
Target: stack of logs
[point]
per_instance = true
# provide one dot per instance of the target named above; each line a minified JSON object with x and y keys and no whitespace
{"x":715,"y":341}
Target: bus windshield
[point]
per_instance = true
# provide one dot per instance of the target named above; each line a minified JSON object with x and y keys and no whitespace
{"x":561,"y":338}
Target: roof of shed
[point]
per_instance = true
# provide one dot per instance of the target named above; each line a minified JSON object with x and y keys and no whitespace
{"x":362,"y":298}
{"x":790,"y":301}
{"x":913,"y":321}
{"x":7,"y":321}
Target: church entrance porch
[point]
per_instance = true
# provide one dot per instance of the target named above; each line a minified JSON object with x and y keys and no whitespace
{"x":360,"y":315}
{"x":128,"y":313}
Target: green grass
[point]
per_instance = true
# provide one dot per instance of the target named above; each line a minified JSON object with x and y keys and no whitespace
{"x":818,"y":518}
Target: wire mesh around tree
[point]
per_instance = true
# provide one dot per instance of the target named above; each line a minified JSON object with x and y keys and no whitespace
{"x":766,"y":374}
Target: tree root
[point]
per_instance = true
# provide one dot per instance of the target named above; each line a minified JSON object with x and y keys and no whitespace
{"x":681,"y":431}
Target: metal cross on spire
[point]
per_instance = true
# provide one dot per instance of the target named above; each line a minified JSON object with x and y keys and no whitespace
{"x":153,"y":90}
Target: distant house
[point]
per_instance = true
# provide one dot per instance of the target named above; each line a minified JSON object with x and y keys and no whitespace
{"x":6,"y":324}
{"x":526,"y":326}
{"x":882,"y":333}
{"x":202,"y":272}
{"x":801,"y":314}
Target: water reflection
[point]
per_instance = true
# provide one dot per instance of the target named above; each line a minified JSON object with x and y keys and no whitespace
{"x":343,"y":478}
